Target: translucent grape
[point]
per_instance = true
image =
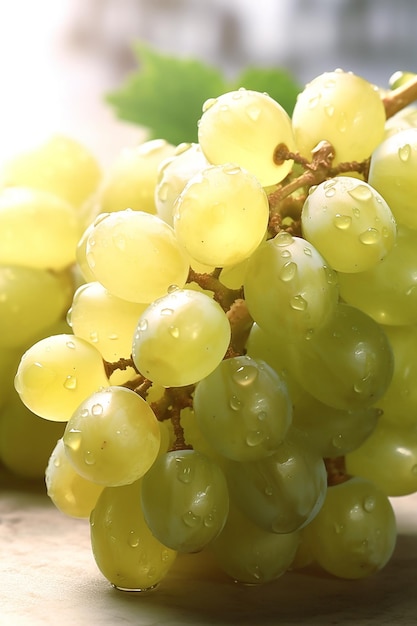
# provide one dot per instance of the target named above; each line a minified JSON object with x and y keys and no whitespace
{"x":131,"y":179}
{"x":37,"y":229}
{"x":251,"y":555}
{"x":354,"y":533}
{"x":283,"y":492}
{"x":349,"y":223}
{"x":173,"y":174}
{"x":243,"y":409}
{"x":57,"y":373}
{"x":180,"y":338}
{"x":343,"y":109}
{"x":392,"y":173}
{"x":289,"y":288}
{"x":71,"y":493}
{"x":221,"y":215}
{"x":125,"y":550}
{"x":262,"y":122}
{"x":185,"y":500}
{"x":135,"y":255}
{"x":113,"y":437}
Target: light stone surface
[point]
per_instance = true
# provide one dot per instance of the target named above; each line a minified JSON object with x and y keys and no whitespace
{"x":48,"y":576}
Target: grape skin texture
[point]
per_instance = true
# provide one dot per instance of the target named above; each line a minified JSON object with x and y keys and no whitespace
{"x":221,"y":215}
{"x":343,"y":109}
{"x":174,"y":332}
{"x":113,"y":437}
{"x":349,"y":223}
{"x":262,"y":122}
{"x":125,"y":550}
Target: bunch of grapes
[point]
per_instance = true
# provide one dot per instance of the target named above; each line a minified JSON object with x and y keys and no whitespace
{"x":239,"y":374}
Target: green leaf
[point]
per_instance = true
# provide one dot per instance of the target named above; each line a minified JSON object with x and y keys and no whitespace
{"x":166,"y":94}
{"x":278,"y":83}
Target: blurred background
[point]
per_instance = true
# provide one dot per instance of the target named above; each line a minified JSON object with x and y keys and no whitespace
{"x":59,"y":57}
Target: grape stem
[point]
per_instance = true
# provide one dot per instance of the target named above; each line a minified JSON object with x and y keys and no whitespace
{"x":222,"y":294}
{"x":169,"y":407}
{"x":399,"y":98}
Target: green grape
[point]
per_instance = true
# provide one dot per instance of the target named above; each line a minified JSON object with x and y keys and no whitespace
{"x":131,"y":179}
{"x":37,"y":229}
{"x":283,"y":492}
{"x":71,"y":493}
{"x":57,"y":373}
{"x":354,"y":533}
{"x":348,"y":364}
{"x":243,"y":409}
{"x":349,"y":223}
{"x":399,"y":402}
{"x":173,"y":174}
{"x":125,"y":550}
{"x":266,"y":347}
{"x":60,"y":165}
{"x":185,"y":500}
{"x":31,"y":299}
{"x":404,"y":119}
{"x":221,"y":215}
{"x":233,"y":276}
{"x":388,"y":291}
{"x":388,"y":458}
{"x":180,"y":338}
{"x":343,"y":109}
{"x":104,"y":320}
{"x":332,"y":432}
{"x":26,"y":440}
{"x":113,"y":437}
{"x":289,"y":288}
{"x":9,"y":360}
{"x":135,"y":255}
{"x":392,"y":173}
{"x":257,"y":118}
{"x":251,"y":555}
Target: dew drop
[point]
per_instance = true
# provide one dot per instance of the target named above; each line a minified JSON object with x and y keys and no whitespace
{"x":286,"y":254}
{"x":338,"y":528}
{"x":262,"y":415}
{"x":167,"y":311}
{"x":329,"y":193}
{"x":133,"y":539}
{"x":288,"y":271}
{"x":89,"y":458}
{"x":173,"y":288}
{"x":255,"y":437}
{"x":245,"y":375}
{"x":356,"y":212}
{"x":307,"y":251}
{"x":73,"y":439}
{"x":94,"y":336}
{"x":342,"y":222}
{"x":70,"y":345}
{"x":268,"y":491}
{"x":343,"y":122}
{"x":298,"y":303}
{"x":404,"y":152}
{"x":231,"y":169}
{"x":174,"y":331}
{"x":370,"y":236}
{"x":369,"y":504}
{"x":361,"y":192}
{"x":235,"y":403}
{"x":208,"y":104}
{"x":191,"y":520}
{"x":143,"y":325}
{"x":253,"y":112}
{"x":313,"y":102}
{"x":97,"y":409}
{"x":57,"y":461}
{"x":337,"y":441}
{"x":70,"y":383}
{"x":84,"y":413}
{"x":329,"y":110}
{"x":283,"y":239}
{"x":185,"y":473}
{"x":209,"y":520}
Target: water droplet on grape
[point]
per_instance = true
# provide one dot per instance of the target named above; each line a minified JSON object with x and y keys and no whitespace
{"x":70,"y":383}
{"x":329,"y":193}
{"x":245,"y":375}
{"x":143,"y":325}
{"x":313,"y":102}
{"x":84,"y":413}
{"x":255,"y":437}
{"x":185,"y":473}
{"x":133,"y":539}
{"x":329,"y":110}
{"x":369,"y":504}
{"x":338,"y":528}
{"x":208,"y":104}
{"x":370,"y":236}
{"x":97,"y":409}
{"x":262,"y":415}
{"x":73,"y":439}
{"x":94,"y":336}
{"x":231,"y":169}
{"x":404,"y":152}
{"x":342,"y":222}
{"x":286,"y":254}
{"x":253,"y":112}
{"x":167,"y":311}
{"x":337,"y":441}
{"x":173,"y":288}
{"x":191,"y":520}
{"x":361,"y":192}
{"x":283,"y":239}
{"x":70,"y":345}
{"x":268,"y":490}
{"x":89,"y":458}
{"x":209,"y":520}
{"x":174,"y":331}
{"x":298,"y":303}
{"x":356,"y":212}
{"x":342,"y":122}
{"x":288,"y":271}
{"x":307,"y":251}
{"x":235,"y":403}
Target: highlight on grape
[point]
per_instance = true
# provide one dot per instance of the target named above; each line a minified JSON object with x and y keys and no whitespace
{"x":214,"y":343}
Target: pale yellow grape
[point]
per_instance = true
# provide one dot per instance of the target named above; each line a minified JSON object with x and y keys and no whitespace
{"x":173,"y":174}
{"x":125,"y":550}
{"x":26,"y":440}
{"x":37,"y":229}
{"x":135,"y":255}
{"x":354,"y":534}
{"x":388,"y":458}
{"x":246,"y":127}
{"x":84,"y":269}
{"x":349,"y":223}
{"x":221,"y":215}
{"x":343,"y":109}
{"x":180,"y":338}
{"x":71,"y":493}
{"x":131,"y":179}
{"x":388,"y":291}
{"x":104,"y":320}
{"x":31,"y":299}
{"x":406,"y":118}
{"x":289,"y":288}
{"x":251,"y":555}
{"x":9,"y":360}
{"x":57,"y":373}
{"x":61,"y":165}
{"x":392,"y":172}
{"x":113,"y":437}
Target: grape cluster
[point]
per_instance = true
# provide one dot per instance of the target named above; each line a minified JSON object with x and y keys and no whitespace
{"x":239,"y":373}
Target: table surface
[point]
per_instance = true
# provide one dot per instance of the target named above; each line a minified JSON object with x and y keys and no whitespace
{"x":48,"y":576}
